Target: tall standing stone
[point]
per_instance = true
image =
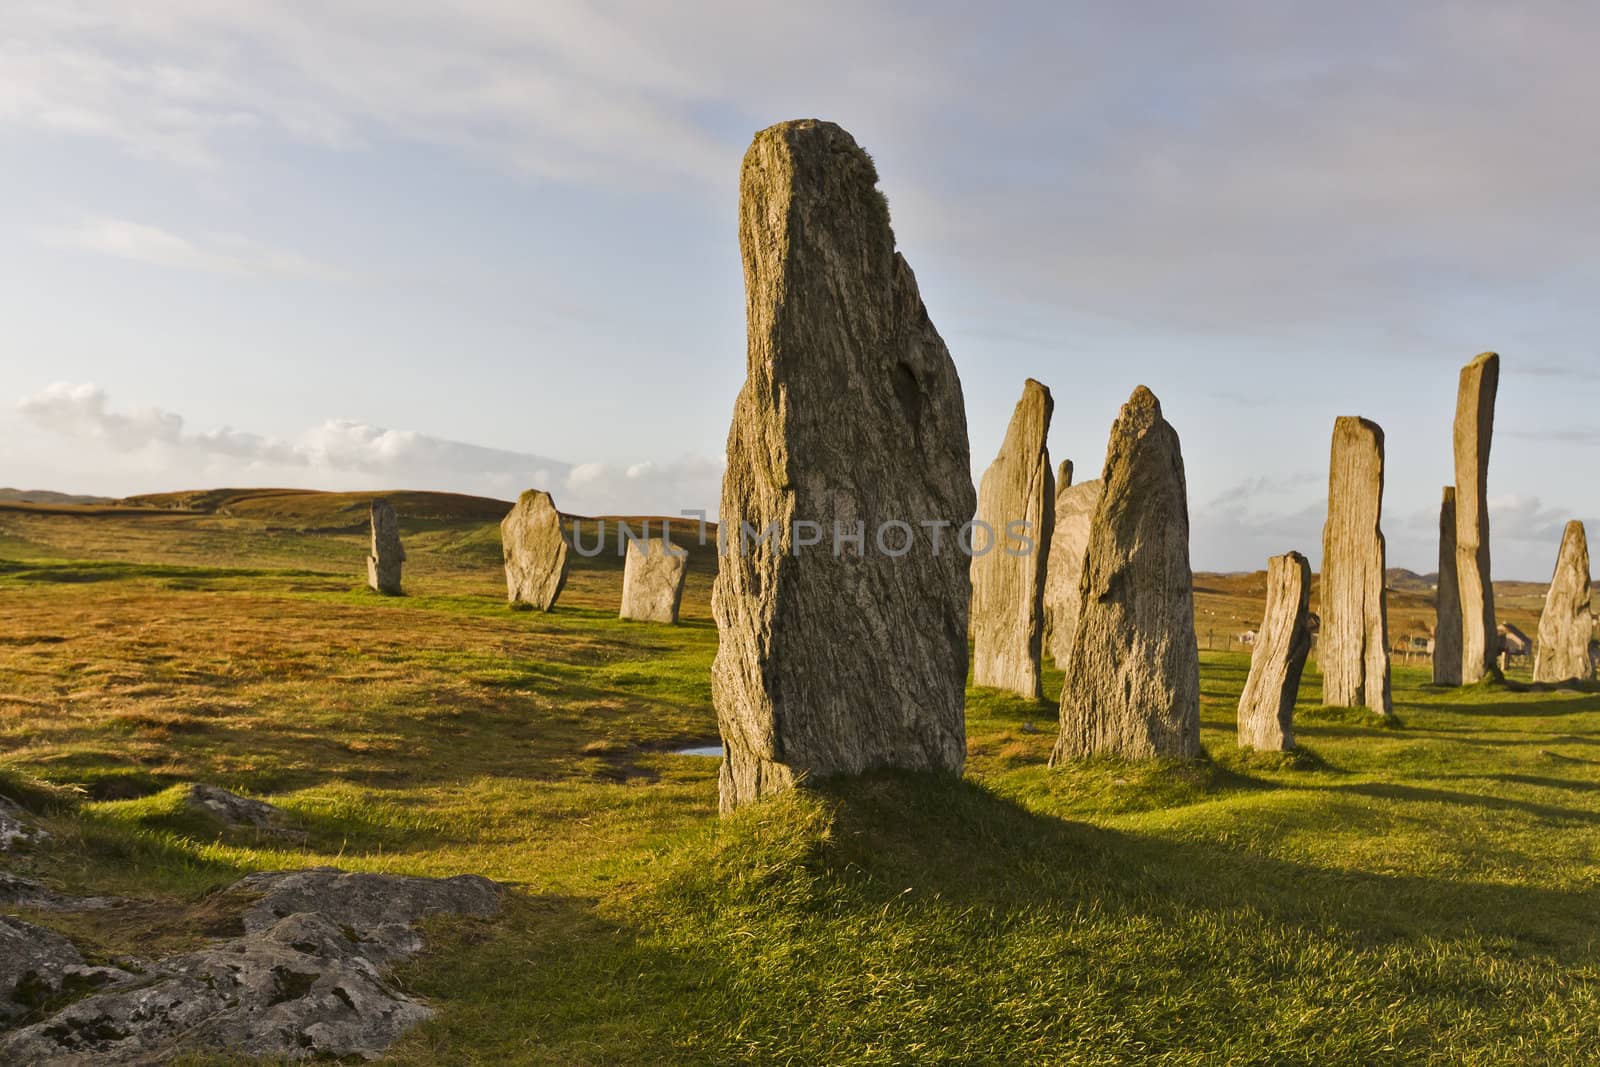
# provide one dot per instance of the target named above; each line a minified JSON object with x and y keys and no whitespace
{"x":1474,"y":427}
{"x":1447,"y":599}
{"x":1133,"y":686}
{"x":652,"y":580}
{"x":1069,"y":546}
{"x":1008,"y":575}
{"x":1266,"y":707}
{"x":1355,"y":607}
{"x":843,"y":642}
{"x":1063,"y":476}
{"x":534,"y":545}
{"x":1567,"y":625}
{"x":387,"y":555}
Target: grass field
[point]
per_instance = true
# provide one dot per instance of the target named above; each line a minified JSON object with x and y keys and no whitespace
{"x":1421,"y":894}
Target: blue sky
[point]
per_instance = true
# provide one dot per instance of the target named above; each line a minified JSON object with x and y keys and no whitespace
{"x":492,"y":244}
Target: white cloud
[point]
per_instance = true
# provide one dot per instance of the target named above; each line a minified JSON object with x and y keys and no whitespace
{"x":216,"y":254}
{"x":341,"y":454}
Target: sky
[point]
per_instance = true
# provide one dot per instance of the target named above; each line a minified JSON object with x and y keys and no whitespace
{"x":484,"y":245}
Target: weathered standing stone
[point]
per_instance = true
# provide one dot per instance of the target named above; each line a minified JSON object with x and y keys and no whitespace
{"x":1063,"y":476}
{"x":1069,"y":544}
{"x":1447,"y":599}
{"x":1567,"y":625}
{"x":1008,"y":577}
{"x":535,"y":548}
{"x":1355,"y":608}
{"x":652,"y":580}
{"x":1266,"y":707}
{"x":1480,"y":381}
{"x":1133,"y":685}
{"x":851,"y":420}
{"x":386,"y":557}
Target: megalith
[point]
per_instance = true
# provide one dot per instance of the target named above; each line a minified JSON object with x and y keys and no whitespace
{"x":843,"y":633}
{"x":386,"y":556}
{"x":1266,"y":707}
{"x":534,"y":545}
{"x":1567,"y":625}
{"x":1069,"y":544}
{"x":1016,"y":512}
{"x":1474,"y":427}
{"x":1133,"y":685}
{"x":652,"y":580}
{"x":1354,"y":640}
{"x":1063,"y":476}
{"x":1447,"y":599}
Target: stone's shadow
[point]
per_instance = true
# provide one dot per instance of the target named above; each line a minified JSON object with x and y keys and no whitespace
{"x":967,"y":845}
{"x":1393,"y":791}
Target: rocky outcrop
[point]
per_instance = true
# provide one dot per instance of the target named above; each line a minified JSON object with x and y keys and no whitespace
{"x":1474,"y":428}
{"x":386,"y":557}
{"x":652,"y":580}
{"x":1354,"y":641}
{"x":535,"y":545}
{"x":1069,"y":545}
{"x":1016,"y":507}
{"x":1266,"y":707}
{"x":843,"y":634}
{"x":1133,"y":686}
{"x":1447,"y":599}
{"x":16,"y":828}
{"x":37,"y":964}
{"x":241,"y":813}
{"x":1567,"y":625}
{"x":304,"y":981}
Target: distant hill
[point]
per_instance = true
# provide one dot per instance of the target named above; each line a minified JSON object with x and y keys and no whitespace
{"x":1410,"y":581}
{"x":49,"y":496}
{"x":310,"y":509}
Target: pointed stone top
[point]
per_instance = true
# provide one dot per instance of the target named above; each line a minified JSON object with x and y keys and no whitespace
{"x":1141,"y":412}
{"x":529,"y":496}
{"x":814,"y":160}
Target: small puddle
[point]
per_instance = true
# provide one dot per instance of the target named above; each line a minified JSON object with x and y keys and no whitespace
{"x":700,"y":750}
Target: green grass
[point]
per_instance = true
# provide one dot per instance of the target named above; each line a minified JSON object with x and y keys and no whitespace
{"x":1416,"y":891}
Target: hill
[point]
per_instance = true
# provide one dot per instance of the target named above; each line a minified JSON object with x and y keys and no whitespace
{"x":48,"y":496}
{"x":311,"y":509}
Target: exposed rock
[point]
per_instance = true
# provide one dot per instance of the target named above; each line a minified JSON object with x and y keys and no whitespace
{"x":19,"y":892}
{"x":303,"y":982}
{"x":1133,"y":686}
{"x":1266,"y":707}
{"x":1567,"y":625}
{"x":1354,"y":649}
{"x":652,"y":580}
{"x":15,"y":829}
{"x":385,"y":559}
{"x":1069,"y":545}
{"x":232,"y":810}
{"x":35,"y":964}
{"x":1474,"y":427}
{"x":1447,"y":599}
{"x":535,"y":547}
{"x":838,"y":654}
{"x":1008,"y":565}
{"x":1063,"y":476}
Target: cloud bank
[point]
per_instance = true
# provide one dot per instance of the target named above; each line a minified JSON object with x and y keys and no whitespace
{"x":341,"y":454}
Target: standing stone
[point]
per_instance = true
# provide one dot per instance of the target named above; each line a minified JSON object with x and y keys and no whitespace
{"x":1266,"y":707}
{"x":838,"y":651}
{"x":1355,"y":606}
{"x":1008,"y":577}
{"x":1069,"y":545}
{"x":1480,"y":381}
{"x":1063,"y":476}
{"x":652,"y":580}
{"x":387,"y":555}
{"x":1133,"y":686}
{"x":535,"y":548}
{"x":1447,"y":599}
{"x":1567,"y":625}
